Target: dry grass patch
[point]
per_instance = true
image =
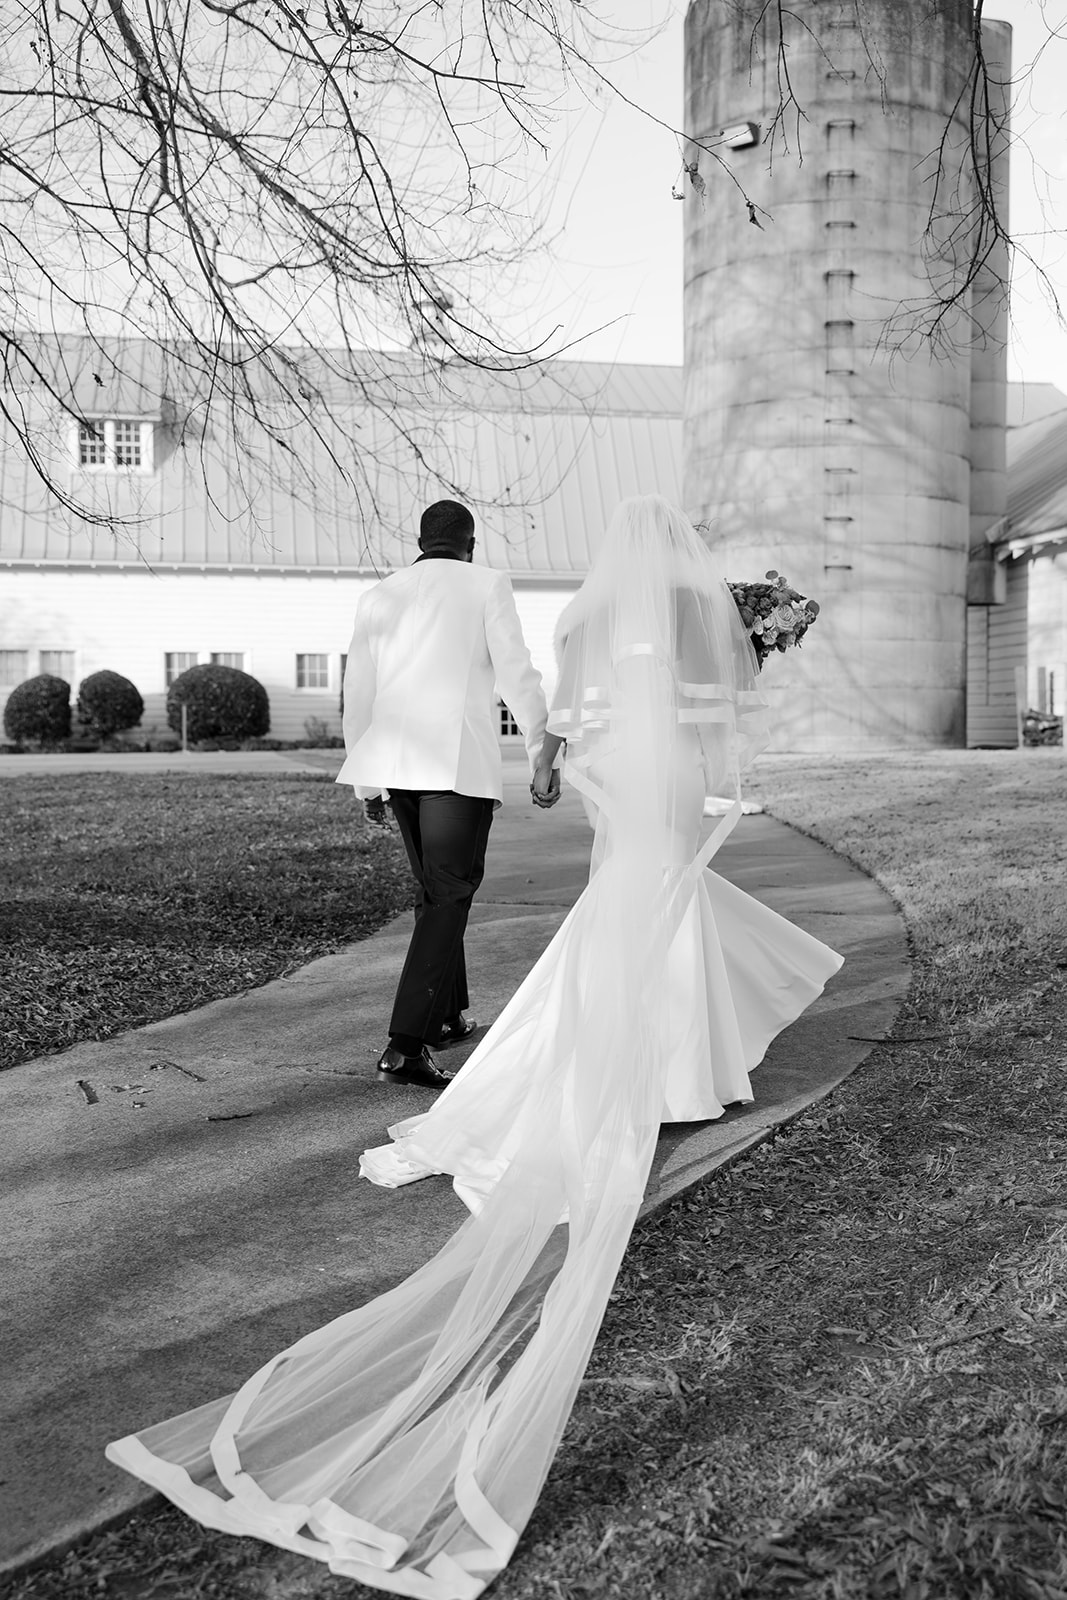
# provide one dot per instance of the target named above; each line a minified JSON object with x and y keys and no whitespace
{"x":130,"y":898}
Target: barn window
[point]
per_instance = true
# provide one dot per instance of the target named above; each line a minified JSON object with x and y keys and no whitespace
{"x":175,"y":662}
{"x":14,"y":667}
{"x":60,"y":663}
{"x":115,"y":444}
{"x":127,"y":444}
{"x":509,"y":728}
{"x":91,"y":444}
{"x":313,"y":671}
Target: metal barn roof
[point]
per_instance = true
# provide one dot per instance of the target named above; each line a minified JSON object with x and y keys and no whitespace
{"x":1031,"y":402}
{"x":542,"y":456}
{"x":1037,"y":477}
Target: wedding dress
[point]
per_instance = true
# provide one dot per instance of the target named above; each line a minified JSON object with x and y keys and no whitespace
{"x":736,"y":974}
{"x":406,"y":1442}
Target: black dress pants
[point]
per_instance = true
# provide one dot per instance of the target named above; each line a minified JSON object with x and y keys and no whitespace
{"x":445,"y":835}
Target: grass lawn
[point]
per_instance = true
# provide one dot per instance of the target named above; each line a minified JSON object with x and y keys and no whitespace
{"x":127,"y":899}
{"x":836,"y":1369}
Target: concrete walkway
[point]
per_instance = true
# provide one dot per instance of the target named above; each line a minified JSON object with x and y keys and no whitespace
{"x":178,"y":1203}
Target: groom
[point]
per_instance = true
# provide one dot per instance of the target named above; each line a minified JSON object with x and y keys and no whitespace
{"x":430,"y":643}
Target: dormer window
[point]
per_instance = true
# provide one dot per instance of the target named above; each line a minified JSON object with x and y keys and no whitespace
{"x":128,"y":444}
{"x":115,"y":444}
{"x":91,"y":445}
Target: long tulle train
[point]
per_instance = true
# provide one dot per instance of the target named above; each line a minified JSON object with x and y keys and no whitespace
{"x":727,"y":998}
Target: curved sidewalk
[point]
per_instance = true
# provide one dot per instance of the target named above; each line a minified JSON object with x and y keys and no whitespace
{"x":180,"y":1202}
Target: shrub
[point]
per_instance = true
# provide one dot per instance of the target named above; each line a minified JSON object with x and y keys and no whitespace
{"x":38,"y":711}
{"x":222,"y":703}
{"x":108,"y":703}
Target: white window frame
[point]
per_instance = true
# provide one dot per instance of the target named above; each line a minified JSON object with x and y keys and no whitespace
{"x":72,"y":676}
{"x":25,"y":654}
{"x":312,"y":688}
{"x":244,"y":655}
{"x":111,"y":463}
{"x":196,"y":655}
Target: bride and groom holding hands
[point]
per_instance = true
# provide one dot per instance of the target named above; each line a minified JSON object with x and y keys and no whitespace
{"x":405,"y":1443}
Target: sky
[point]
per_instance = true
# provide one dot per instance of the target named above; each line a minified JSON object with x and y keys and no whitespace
{"x":616,"y":261}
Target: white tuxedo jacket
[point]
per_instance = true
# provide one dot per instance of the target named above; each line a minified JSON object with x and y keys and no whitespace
{"x":431,"y":643}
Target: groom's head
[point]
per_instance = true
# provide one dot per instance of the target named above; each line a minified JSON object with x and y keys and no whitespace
{"x":447,"y":527}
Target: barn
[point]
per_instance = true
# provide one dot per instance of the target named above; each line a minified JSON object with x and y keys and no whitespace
{"x":260,"y":566}
{"x":198,"y":552}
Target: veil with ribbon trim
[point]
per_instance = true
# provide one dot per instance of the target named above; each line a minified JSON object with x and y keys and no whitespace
{"x":406,"y":1442}
{"x":656,"y":591}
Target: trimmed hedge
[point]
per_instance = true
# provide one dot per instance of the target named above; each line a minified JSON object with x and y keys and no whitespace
{"x":38,"y":711}
{"x":108,"y":703}
{"x":222,"y":703}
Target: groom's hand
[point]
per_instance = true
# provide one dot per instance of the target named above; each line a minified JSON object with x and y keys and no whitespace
{"x":545,"y":788}
{"x":375,"y":812}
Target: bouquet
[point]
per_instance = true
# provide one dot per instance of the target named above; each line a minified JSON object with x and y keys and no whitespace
{"x":775,"y":615}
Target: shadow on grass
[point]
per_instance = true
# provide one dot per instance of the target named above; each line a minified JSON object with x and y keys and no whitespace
{"x":131,"y":898}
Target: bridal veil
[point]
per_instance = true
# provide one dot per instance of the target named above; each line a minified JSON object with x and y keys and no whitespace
{"x":406,"y":1442}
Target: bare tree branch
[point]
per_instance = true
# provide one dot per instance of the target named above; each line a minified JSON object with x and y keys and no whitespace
{"x":254,"y":184}
{"x":267,"y":191}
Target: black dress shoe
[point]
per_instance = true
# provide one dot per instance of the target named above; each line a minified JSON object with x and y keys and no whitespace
{"x":396,"y":1067}
{"x":455,"y":1029}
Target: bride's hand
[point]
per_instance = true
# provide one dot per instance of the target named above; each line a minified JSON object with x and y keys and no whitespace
{"x":545,"y":787}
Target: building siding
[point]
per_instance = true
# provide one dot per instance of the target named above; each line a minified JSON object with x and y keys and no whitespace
{"x":127,"y":621}
{"x":996,"y":646}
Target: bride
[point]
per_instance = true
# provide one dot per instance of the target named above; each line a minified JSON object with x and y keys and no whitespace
{"x":406,"y":1442}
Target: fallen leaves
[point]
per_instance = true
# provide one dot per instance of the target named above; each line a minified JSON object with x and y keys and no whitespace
{"x":152,"y":905}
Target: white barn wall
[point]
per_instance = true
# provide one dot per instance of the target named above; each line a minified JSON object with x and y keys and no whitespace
{"x":128,"y":620}
{"x":1047,"y":632}
{"x":539,"y":608}
{"x":991,"y":718}
{"x":996,"y":645}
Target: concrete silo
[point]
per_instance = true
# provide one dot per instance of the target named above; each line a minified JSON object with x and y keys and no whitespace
{"x":817,"y":442}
